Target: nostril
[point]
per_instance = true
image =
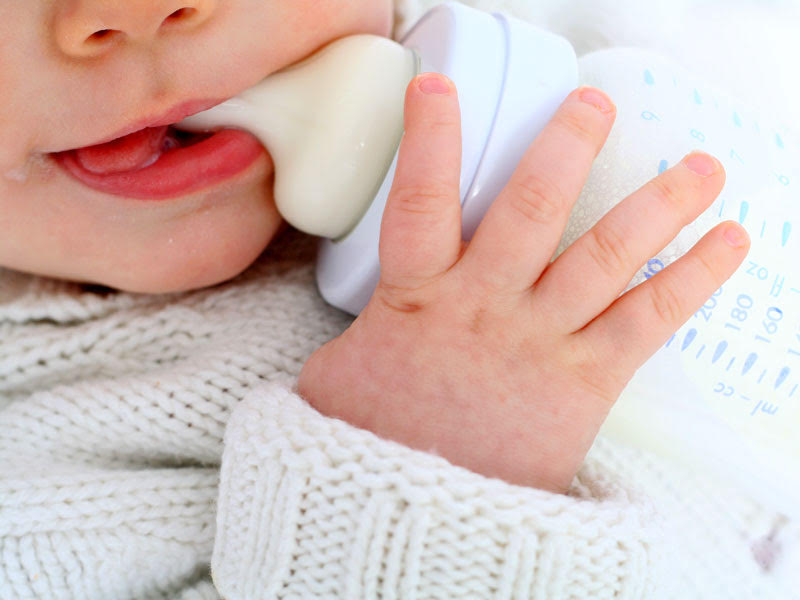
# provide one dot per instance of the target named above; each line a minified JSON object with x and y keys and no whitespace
{"x":102,"y":35}
{"x":181,"y":14}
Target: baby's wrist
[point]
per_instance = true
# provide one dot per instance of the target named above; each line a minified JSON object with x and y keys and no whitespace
{"x":517,"y":453}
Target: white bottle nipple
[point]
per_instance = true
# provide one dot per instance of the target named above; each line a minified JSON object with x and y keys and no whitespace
{"x":332,"y":123}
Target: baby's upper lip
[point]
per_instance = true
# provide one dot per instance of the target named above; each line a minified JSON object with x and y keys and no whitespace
{"x":172,"y":115}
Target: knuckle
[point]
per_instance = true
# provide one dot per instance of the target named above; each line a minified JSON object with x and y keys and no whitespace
{"x":421,"y":200}
{"x":406,"y":297}
{"x":595,"y":372}
{"x":609,"y":251}
{"x":443,"y":124}
{"x":438,"y":126}
{"x":668,"y":192}
{"x":399,"y":305}
{"x":537,"y":199}
{"x":706,"y":268}
{"x":666,"y":302}
{"x":581,"y":126}
{"x":596,"y":383}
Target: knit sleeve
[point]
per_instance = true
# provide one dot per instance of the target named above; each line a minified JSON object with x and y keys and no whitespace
{"x":312,"y":507}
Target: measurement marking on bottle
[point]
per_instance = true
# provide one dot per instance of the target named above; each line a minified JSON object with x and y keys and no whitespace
{"x":690,"y":335}
{"x":749,"y":362}
{"x":782,"y":377}
{"x":782,"y":179}
{"x":765,"y":407}
{"x":747,"y":314}
{"x":718,"y":352}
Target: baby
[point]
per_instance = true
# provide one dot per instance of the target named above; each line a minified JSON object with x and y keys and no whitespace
{"x":430,"y":449}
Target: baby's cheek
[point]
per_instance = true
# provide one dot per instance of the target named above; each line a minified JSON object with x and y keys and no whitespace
{"x":18,"y":101}
{"x":9,"y":153}
{"x":334,"y":18}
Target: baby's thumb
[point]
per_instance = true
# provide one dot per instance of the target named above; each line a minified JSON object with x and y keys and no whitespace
{"x":421,"y":229}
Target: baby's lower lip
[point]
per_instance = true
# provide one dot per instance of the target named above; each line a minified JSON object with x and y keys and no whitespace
{"x":192,"y":165}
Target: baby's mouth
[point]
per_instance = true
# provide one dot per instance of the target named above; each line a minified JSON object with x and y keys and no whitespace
{"x":161,"y":162}
{"x":135,"y":151}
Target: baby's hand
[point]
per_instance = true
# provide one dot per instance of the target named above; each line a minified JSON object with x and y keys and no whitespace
{"x":485,"y":353}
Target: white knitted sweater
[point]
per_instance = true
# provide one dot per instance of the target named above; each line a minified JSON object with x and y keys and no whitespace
{"x":117,"y":410}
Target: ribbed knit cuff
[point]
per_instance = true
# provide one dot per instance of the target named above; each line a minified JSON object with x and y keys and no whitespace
{"x":311,"y":506}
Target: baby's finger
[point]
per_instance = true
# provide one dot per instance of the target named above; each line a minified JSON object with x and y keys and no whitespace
{"x":592,"y":272}
{"x":421,"y":228}
{"x":522,"y":228}
{"x":635,"y":326}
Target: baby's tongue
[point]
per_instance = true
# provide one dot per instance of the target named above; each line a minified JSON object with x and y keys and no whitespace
{"x":129,"y":153}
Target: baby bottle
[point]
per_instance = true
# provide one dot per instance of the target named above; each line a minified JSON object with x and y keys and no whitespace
{"x":335,"y":143}
{"x":723,"y":393}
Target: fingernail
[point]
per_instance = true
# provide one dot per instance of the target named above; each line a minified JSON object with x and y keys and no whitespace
{"x":597,"y":99}
{"x":434,"y":84}
{"x":701,"y":163}
{"x":735,"y":236}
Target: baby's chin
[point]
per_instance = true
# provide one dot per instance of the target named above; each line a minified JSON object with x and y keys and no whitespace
{"x":199,"y":249}
{"x":147,"y":246}
{"x":203,"y":251}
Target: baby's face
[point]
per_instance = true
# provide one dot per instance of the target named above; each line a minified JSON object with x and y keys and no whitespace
{"x":201,"y":213}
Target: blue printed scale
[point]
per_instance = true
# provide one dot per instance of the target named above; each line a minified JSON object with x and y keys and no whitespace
{"x":725,"y":389}
{"x":770,"y":387}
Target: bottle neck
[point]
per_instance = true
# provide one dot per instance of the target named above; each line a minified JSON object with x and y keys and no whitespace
{"x":332,"y":139}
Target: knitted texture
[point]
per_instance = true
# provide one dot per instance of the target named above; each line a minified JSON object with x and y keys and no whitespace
{"x":112,"y":412}
{"x":316,"y":508}
{"x":109,"y":468}
{"x":113,"y":417}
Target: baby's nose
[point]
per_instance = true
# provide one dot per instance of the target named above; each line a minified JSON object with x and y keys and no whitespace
{"x":88,"y":28}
